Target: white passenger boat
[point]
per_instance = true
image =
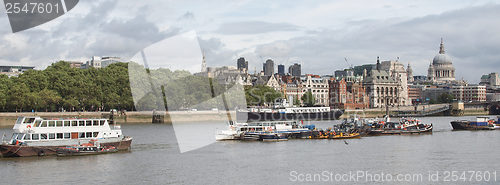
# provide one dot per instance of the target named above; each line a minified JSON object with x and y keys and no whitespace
{"x":38,"y":136}
{"x":237,"y":131}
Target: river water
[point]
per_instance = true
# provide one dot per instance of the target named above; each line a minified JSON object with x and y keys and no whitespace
{"x":443,"y":157}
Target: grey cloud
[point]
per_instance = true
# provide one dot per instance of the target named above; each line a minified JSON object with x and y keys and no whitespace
{"x":216,"y":54}
{"x":471,"y":38}
{"x":95,"y":33}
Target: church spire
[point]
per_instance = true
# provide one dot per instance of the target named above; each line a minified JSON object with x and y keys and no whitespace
{"x":441,"y":47}
{"x":378,"y":63}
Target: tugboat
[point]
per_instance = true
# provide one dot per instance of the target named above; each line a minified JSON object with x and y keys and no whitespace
{"x":35,"y":136}
{"x":481,"y":123}
{"x":405,"y":126}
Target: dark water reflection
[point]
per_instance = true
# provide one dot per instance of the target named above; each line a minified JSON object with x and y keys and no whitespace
{"x":155,"y":159}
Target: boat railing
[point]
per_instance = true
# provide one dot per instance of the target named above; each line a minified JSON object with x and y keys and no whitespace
{"x":3,"y":139}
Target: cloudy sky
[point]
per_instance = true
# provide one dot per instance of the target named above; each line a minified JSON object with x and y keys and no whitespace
{"x":319,"y":34}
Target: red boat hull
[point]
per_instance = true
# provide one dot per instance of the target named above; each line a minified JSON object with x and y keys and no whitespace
{"x":26,"y":151}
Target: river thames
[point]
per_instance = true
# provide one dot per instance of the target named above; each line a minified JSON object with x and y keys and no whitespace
{"x":443,"y":157}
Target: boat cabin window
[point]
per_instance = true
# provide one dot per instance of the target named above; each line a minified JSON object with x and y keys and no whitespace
{"x":89,"y":134}
{"x":35,"y":136}
{"x":29,"y":120}
{"x":37,"y":123}
{"x":94,"y":134}
{"x":74,"y":123}
{"x":96,"y":123}
{"x":81,"y":123}
{"x":52,"y":123}
{"x":59,"y":135}
{"x":82,"y":135}
{"x":19,"y":120}
{"x":27,"y":137}
{"x":101,"y":122}
{"x":20,"y":136}
{"x":88,"y":123}
{"x":43,"y":136}
{"x":52,"y":136}
{"x":59,"y":124}
{"x":66,"y":123}
{"x":14,"y":135}
{"x":67,"y":135}
{"x":44,"y":124}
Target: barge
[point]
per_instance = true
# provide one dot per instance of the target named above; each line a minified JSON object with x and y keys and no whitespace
{"x":481,"y":123}
{"x":35,"y":136}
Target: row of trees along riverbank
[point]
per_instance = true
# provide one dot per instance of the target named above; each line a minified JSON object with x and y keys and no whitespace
{"x":60,"y":87}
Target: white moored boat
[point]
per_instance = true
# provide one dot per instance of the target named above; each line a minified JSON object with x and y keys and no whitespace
{"x":253,"y":130}
{"x":37,"y":136}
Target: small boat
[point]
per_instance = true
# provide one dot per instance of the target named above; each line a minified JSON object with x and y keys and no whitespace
{"x":346,"y":136}
{"x":231,"y":133}
{"x":405,"y":126}
{"x":334,"y":134}
{"x":84,"y":150}
{"x":273,"y":137}
{"x":251,"y":136}
{"x":481,"y":123}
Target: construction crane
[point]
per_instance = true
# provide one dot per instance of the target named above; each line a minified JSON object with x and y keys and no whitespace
{"x":349,"y":64}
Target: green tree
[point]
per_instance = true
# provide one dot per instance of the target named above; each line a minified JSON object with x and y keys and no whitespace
{"x":52,"y":99}
{"x":260,"y":95}
{"x":446,"y":98}
{"x":18,"y":96}
{"x":308,"y":99}
{"x":5,"y":83}
{"x":35,"y":101}
{"x":296,"y":101}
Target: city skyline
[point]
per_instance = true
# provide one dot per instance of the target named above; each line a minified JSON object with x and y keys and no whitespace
{"x":320,"y":35}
